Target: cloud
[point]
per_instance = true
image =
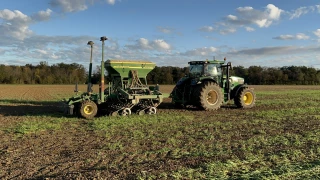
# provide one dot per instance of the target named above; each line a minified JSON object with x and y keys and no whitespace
{"x":228,"y":31}
{"x":165,"y":30}
{"x":276,"y":50}
{"x":244,"y":9}
{"x":69,"y":5}
{"x":67,"y":49}
{"x":298,"y":12}
{"x":302,"y":11}
{"x":266,"y":50}
{"x":206,"y":29}
{"x":273,"y":12}
{"x":301,"y":36}
{"x":112,"y":2}
{"x":70,"y":49}
{"x":211,"y":38}
{"x":145,"y":44}
{"x":15,"y":24}
{"x":42,"y":15}
{"x":249,"y":29}
{"x":298,"y":36}
{"x":285,"y":37}
{"x":232,"y":17}
{"x":160,"y":44}
{"x":15,"y":15}
{"x":41,"y":51}
{"x":317,"y":33}
{"x":274,"y":56}
{"x":2,"y":51}
{"x":248,"y":16}
{"x":76,"y":5}
{"x":168,"y":30}
{"x":55,"y":49}
{"x":205,"y":51}
{"x":40,"y":41}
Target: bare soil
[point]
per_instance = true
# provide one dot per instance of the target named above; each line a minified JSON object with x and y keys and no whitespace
{"x":76,"y":151}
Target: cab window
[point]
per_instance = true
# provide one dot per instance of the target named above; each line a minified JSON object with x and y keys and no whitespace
{"x":196,"y":68}
{"x":212,"y":70}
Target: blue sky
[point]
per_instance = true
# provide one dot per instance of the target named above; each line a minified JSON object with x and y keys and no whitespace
{"x":265,"y":33}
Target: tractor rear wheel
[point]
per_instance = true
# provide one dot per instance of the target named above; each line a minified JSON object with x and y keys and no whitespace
{"x":245,"y":98}
{"x":88,"y":109}
{"x":211,"y":97}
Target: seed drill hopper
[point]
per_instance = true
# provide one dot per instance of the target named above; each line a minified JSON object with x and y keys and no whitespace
{"x":126,"y":93}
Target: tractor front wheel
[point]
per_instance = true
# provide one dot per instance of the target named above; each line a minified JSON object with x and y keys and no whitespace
{"x":211,"y":97}
{"x":245,"y":98}
{"x":88,"y":109}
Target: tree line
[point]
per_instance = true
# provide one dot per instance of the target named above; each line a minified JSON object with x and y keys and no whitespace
{"x":254,"y":75}
{"x":42,"y":73}
{"x":62,"y":73}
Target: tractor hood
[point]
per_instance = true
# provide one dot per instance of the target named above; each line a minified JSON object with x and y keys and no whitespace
{"x":235,"y":80}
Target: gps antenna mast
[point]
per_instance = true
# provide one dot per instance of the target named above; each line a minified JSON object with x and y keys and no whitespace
{"x":89,"y":90}
{"x":102,"y":70}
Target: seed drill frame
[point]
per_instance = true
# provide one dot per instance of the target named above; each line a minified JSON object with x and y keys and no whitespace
{"x":127,"y":92}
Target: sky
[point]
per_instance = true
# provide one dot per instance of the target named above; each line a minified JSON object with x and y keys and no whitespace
{"x":267,"y":33}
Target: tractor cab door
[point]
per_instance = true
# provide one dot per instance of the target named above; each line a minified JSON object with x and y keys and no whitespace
{"x":212,"y":70}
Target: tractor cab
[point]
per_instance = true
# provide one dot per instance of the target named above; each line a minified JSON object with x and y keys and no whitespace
{"x":205,"y":68}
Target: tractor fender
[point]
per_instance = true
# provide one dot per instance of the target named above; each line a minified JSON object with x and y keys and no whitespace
{"x":206,"y":80}
{"x":178,"y":85}
{"x":182,"y":81}
{"x":236,"y":89}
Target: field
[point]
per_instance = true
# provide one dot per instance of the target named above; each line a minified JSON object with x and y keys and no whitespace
{"x":277,"y":139}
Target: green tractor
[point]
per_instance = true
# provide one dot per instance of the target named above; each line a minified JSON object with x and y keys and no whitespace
{"x":209,"y":85}
{"x":126,"y":93}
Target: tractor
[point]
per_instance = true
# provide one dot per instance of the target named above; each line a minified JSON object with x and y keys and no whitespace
{"x":126,"y":93}
{"x":209,"y":85}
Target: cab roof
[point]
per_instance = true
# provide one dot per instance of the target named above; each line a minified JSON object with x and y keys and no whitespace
{"x":207,"y":62}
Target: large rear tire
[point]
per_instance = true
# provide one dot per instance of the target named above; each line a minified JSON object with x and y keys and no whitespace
{"x":211,"y":97}
{"x":88,"y":109}
{"x":245,"y":98}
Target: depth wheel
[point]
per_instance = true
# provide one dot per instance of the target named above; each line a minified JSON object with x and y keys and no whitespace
{"x":88,"y":109}
{"x":245,"y":98}
{"x":211,"y":97}
{"x":141,"y":112}
{"x":114,"y":113}
{"x":152,"y":110}
{"x":126,"y":112}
